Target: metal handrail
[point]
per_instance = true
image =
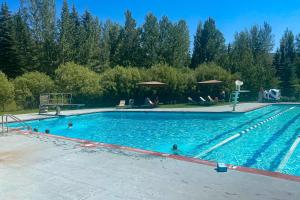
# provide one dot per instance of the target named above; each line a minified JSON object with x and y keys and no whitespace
{"x":14,"y":118}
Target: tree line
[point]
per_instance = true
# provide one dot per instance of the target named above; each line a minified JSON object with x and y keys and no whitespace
{"x":35,"y":39}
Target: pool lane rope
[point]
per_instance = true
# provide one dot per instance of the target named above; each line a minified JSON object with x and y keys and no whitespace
{"x":288,"y":155}
{"x":241,"y":133}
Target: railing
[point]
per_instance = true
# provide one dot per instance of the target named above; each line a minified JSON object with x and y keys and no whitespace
{"x":5,"y":121}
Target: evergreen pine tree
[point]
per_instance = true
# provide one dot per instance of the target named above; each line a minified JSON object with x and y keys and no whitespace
{"x":181,"y":45}
{"x":41,"y":16}
{"x":150,"y":41}
{"x":165,"y":46}
{"x":109,"y":44}
{"x":90,"y":41}
{"x":197,"y":47}
{"x":25,"y":46}
{"x":75,"y":30}
{"x":212,"y":43}
{"x":65,"y":35}
{"x":129,"y":51}
{"x":284,"y":64}
{"x":9,"y":61}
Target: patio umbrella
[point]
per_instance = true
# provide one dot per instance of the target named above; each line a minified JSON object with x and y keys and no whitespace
{"x":152,"y":84}
{"x":210,"y":82}
{"x":155,"y":85}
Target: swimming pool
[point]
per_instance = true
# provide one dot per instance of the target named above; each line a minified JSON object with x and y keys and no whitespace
{"x":258,"y":139}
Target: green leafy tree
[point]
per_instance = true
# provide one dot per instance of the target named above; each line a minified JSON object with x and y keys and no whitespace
{"x":177,"y":81}
{"x":41,"y":17}
{"x":90,"y":41}
{"x":9,"y":61}
{"x":129,"y":50}
{"x":29,"y":86}
{"x":25,"y":45}
{"x":109,"y":44}
{"x":6,"y":91}
{"x":210,"y":71}
{"x":165,"y":48}
{"x":66,"y":35}
{"x":209,"y":43}
{"x":297,"y":57}
{"x":285,"y":58}
{"x":78,"y":80}
{"x":181,"y":45}
{"x":250,"y":55}
{"x":261,"y":44}
{"x":75,"y":29}
{"x":150,"y":41}
{"x":197,"y":47}
{"x":120,"y":83}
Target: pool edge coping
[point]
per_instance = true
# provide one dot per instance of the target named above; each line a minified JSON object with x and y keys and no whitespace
{"x":50,"y":116}
{"x":91,"y":144}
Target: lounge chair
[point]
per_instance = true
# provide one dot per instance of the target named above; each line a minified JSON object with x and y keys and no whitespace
{"x":190,"y":100}
{"x":131,"y":103}
{"x":148,"y":103}
{"x":121,"y":104}
{"x":202,"y":100}
{"x":211,"y":100}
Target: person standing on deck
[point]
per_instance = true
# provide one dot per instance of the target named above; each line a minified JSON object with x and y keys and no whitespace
{"x":260,"y":95}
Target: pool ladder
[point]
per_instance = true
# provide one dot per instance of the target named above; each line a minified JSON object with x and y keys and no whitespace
{"x":5,"y":120}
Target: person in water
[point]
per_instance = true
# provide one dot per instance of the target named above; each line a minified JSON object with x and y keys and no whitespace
{"x":70,"y":125}
{"x":175,"y":149}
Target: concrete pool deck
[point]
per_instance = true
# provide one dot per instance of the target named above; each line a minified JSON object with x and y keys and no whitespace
{"x":42,"y":167}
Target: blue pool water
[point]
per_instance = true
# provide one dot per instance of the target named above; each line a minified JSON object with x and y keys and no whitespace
{"x":261,"y":146}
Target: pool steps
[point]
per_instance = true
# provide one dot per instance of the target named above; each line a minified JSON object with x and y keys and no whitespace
{"x":241,"y":133}
{"x":288,"y":155}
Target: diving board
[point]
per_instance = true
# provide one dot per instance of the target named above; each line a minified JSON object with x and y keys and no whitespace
{"x":56,"y":100}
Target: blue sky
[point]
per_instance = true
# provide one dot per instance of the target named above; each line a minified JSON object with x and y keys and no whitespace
{"x":230,"y":15}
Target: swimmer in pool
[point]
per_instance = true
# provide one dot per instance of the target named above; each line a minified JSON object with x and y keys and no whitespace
{"x":175,"y":149}
{"x":70,"y":125}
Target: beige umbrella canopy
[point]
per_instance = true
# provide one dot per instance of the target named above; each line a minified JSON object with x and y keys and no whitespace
{"x":210,"y":82}
{"x":153,"y":84}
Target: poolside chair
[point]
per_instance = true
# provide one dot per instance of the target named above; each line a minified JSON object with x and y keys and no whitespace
{"x":121,"y":104}
{"x":148,"y":103}
{"x":205,"y":102}
{"x":131,"y":103}
{"x":202,"y":100}
{"x":211,"y":100}
{"x":190,"y":100}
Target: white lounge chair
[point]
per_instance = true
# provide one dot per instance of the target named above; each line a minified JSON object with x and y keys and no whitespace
{"x":211,"y":100}
{"x":121,"y":104}
{"x":202,"y":100}
{"x":190,"y":100}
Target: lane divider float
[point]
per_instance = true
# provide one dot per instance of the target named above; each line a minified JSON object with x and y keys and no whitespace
{"x":241,"y":133}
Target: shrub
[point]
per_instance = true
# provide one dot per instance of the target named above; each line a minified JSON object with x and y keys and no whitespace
{"x":80,"y":81}
{"x":179,"y":82}
{"x":121,"y":83}
{"x":6,"y":91}
{"x":210,"y":71}
{"x":29,"y":86}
